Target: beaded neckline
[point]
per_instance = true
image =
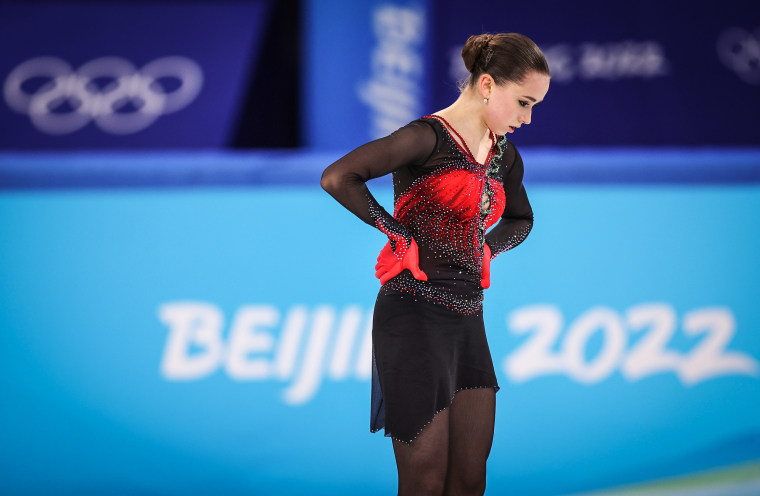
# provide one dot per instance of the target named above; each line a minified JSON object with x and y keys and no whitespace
{"x":463,"y":146}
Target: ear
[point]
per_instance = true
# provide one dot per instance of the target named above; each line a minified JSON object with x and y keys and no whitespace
{"x":485,"y":85}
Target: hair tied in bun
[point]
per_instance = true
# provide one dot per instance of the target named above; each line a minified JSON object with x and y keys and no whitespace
{"x":504,"y":56}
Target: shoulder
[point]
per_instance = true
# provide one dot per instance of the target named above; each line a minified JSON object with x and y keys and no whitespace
{"x":421,"y":129}
{"x":429,"y":123}
{"x":417,"y":141}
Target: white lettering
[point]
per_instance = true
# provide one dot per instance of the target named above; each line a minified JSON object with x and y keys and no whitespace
{"x":256,"y":351}
{"x":248,"y":337}
{"x":191,"y":325}
{"x":364,"y":361}
{"x":292,"y":333}
{"x":561,"y":64}
{"x":310,"y":376}
{"x":608,"y":61}
{"x":650,"y":355}
{"x":710,"y":358}
{"x":349,"y":325}
{"x":535,"y":357}
{"x":622,"y":60}
{"x":577,"y":338}
{"x":395,"y":85}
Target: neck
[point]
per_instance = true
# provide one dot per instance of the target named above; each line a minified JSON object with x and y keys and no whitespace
{"x":466,"y":115}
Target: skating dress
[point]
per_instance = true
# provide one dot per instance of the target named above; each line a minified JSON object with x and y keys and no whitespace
{"x":428,"y":337}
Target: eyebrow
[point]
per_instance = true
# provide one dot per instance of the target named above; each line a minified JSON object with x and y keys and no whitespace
{"x":535,"y":102}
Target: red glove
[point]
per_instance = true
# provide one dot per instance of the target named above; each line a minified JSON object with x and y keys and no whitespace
{"x":485,"y":274}
{"x":389,"y":266}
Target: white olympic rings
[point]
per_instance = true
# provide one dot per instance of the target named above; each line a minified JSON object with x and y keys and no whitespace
{"x":109,"y":91}
{"x":739,"y":50}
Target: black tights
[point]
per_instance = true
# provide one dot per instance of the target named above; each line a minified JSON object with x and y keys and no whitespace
{"x":449,"y":456}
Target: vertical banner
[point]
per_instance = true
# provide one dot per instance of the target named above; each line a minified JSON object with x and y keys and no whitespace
{"x":366,"y":67}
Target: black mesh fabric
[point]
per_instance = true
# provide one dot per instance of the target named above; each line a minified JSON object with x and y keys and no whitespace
{"x":449,"y":456}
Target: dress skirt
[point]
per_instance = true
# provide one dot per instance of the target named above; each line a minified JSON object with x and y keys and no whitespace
{"x":423,"y":353}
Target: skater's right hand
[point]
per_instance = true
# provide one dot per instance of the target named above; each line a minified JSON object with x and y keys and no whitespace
{"x":389,"y":265}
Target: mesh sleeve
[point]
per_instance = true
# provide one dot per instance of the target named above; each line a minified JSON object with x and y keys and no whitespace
{"x":517,"y":220}
{"x":346,"y":178}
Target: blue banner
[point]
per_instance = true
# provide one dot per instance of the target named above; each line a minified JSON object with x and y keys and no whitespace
{"x":623,"y":73}
{"x":366,"y":69}
{"x":92,"y":75}
{"x":208,"y":341}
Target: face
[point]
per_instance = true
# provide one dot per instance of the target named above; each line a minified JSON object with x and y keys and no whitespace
{"x":510,"y":105}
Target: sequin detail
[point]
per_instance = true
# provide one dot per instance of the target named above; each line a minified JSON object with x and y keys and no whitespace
{"x":507,"y":244}
{"x":438,"y":294}
{"x":447,"y":211}
{"x":399,"y":236}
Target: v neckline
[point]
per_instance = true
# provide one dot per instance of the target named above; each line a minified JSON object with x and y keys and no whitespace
{"x":466,"y":150}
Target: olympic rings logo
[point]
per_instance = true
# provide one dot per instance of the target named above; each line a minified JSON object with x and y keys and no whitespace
{"x":110,"y":91}
{"x":739,"y":50}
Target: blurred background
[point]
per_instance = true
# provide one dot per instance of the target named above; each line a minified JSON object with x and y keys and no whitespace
{"x":183,"y":310}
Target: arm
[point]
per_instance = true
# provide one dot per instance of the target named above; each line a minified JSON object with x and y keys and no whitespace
{"x":346,"y":179}
{"x":517,"y":219}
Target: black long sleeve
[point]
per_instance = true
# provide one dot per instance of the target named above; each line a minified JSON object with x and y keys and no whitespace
{"x":346,"y":178}
{"x":517,"y":220}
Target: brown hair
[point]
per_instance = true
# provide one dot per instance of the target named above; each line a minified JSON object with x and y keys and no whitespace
{"x":505,"y":56}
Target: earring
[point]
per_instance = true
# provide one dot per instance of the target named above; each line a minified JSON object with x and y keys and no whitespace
{"x":485,"y":100}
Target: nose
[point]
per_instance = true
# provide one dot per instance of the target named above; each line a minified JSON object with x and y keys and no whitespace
{"x":526,"y":116}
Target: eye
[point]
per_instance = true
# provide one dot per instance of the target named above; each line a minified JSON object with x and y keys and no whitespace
{"x":523,"y":103}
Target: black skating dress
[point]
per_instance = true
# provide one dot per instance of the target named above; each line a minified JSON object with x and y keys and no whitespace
{"x":428,"y":337}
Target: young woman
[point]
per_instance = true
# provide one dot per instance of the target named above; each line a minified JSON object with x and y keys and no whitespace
{"x":454,"y":175}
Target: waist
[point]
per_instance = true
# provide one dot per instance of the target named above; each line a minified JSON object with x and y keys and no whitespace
{"x":462,"y":294}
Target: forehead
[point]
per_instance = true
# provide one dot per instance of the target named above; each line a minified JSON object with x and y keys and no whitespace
{"x":534,"y":85}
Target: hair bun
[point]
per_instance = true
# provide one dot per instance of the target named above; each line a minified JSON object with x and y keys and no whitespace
{"x":504,"y":57}
{"x":473,"y":48}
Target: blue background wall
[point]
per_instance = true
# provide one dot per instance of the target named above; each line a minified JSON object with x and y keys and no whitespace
{"x":194,"y":319}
